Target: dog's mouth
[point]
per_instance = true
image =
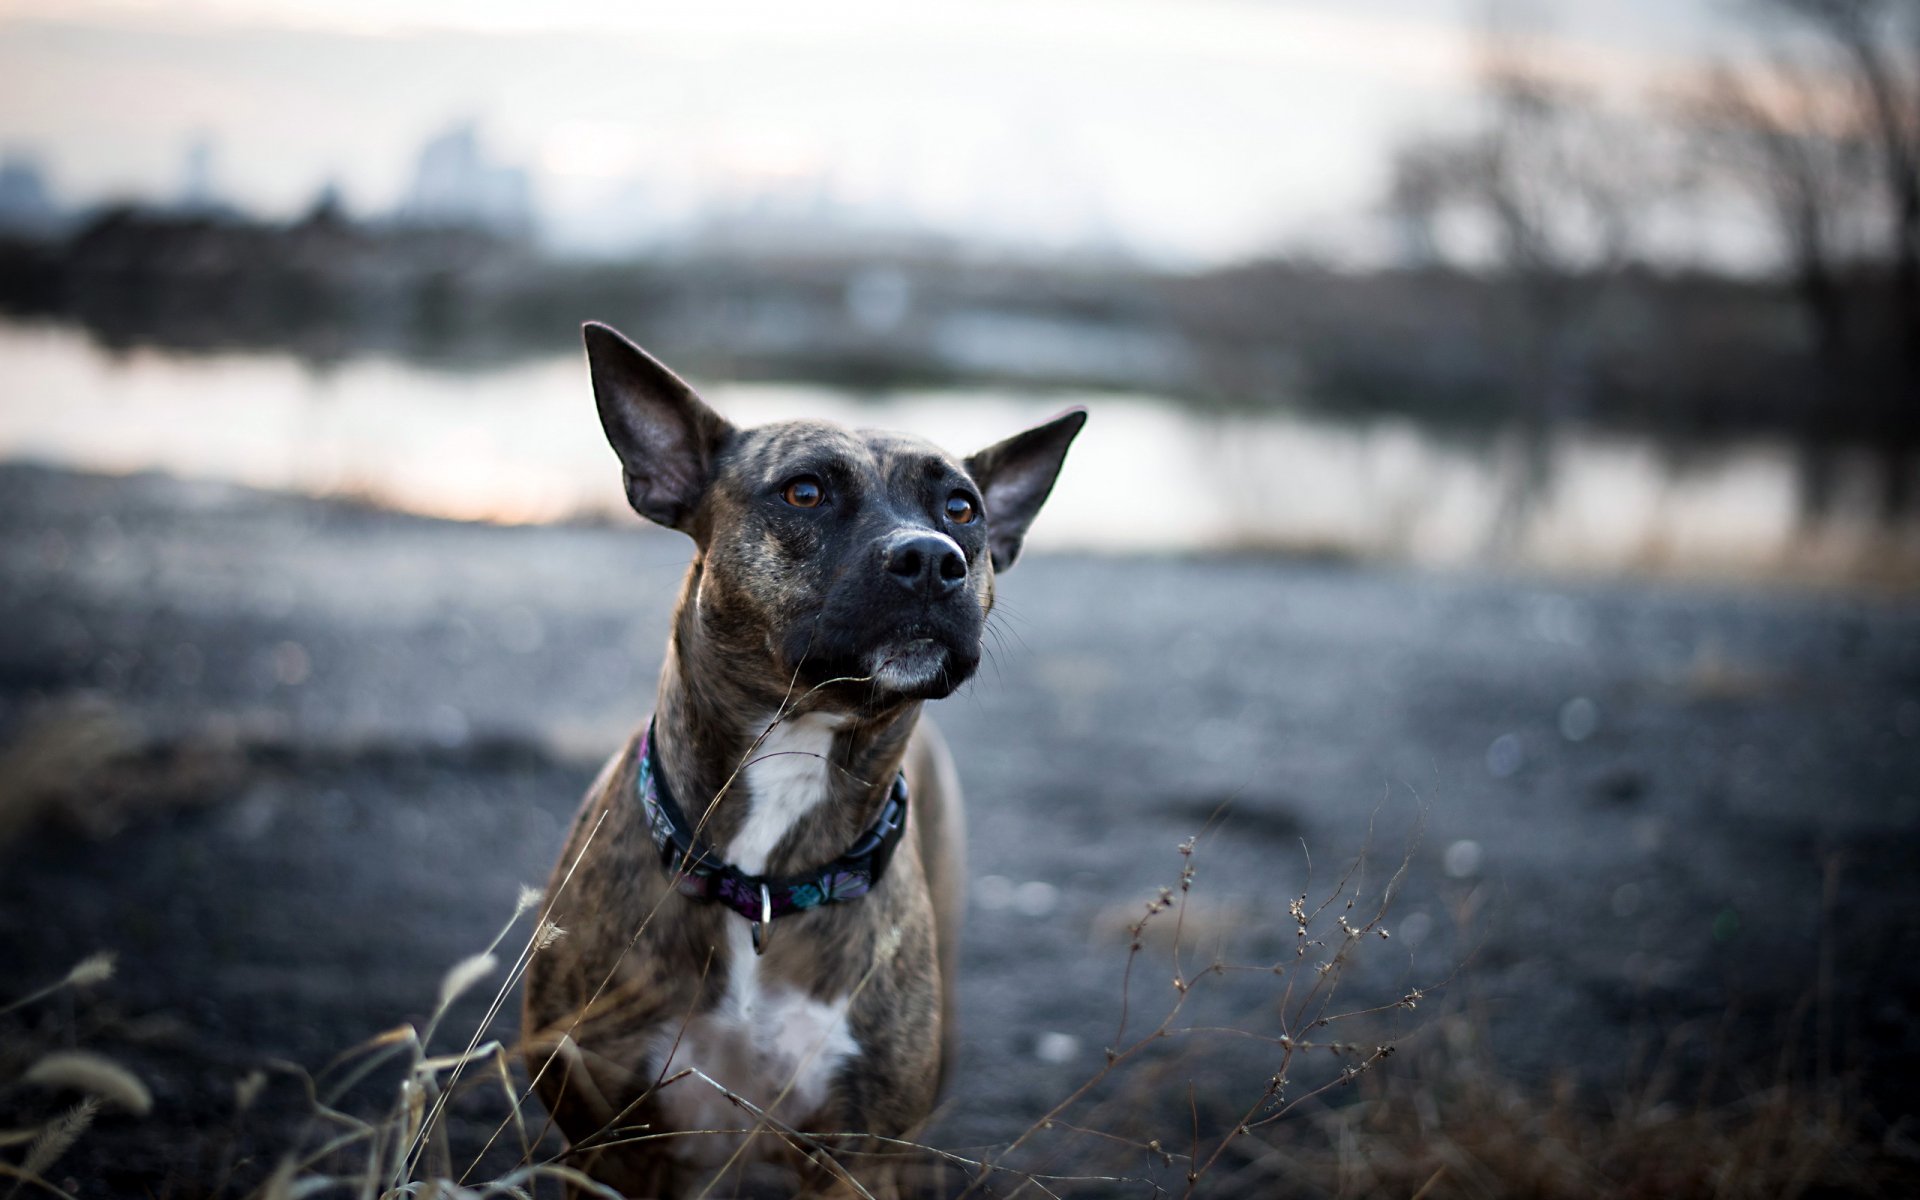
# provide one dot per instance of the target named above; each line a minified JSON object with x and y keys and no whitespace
{"x":914,"y":667}
{"x":924,"y":657}
{"x":916,"y":663}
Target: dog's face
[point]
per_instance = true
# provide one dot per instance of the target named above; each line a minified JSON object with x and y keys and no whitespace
{"x":856,"y":556}
{"x":858,"y":563}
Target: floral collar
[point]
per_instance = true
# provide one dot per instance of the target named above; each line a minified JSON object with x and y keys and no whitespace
{"x":699,"y":873}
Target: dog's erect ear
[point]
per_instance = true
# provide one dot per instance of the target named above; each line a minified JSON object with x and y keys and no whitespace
{"x":1015,"y":477}
{"x":665,"y":435}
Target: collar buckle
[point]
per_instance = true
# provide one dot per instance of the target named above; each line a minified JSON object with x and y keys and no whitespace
{"x":763,"y":928}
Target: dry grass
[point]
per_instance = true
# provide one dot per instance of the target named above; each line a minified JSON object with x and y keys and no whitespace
{"x":52,"y":1074}
{"x":1291,"y":1099}
{"x":1142,"y":1118}
{"x":1098,"y":1138}
{"x":1301,"y":1092}
{"x":1453,"y":1123}
{"x":84,"y":763}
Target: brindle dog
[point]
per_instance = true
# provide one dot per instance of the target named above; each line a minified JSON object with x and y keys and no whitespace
{"x":839,"y":579}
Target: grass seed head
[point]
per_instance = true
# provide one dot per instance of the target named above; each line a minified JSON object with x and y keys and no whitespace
{"x":93,"y":1074}
{"x":465,"y":973}
{"x":60,"y":1133}
{"x":247,"y":1090}
{"x":95,"y":968}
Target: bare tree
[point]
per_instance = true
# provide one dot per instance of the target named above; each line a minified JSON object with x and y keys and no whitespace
{"x":1808,"y":178}
{"x":1553,"y":185}
{"x":1822,"y":128}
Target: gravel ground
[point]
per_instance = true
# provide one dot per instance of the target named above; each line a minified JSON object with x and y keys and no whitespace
{"x":338,"y":741}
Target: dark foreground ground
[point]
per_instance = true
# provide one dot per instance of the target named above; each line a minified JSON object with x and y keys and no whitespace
{"x":292,"y":760}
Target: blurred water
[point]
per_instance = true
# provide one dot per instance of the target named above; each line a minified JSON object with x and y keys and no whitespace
{"x":521,"y":443}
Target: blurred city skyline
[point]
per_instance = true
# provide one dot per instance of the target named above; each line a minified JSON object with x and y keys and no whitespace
{"x":1183,"y":135}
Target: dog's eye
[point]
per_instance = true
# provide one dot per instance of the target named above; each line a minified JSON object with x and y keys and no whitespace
{"x":960,"y":509}
{"x":804,"y":492}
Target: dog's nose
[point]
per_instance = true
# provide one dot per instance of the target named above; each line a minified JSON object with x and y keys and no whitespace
{"x":925,"y":562}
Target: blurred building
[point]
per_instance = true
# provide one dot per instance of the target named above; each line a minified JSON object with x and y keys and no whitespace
{"x":197,"y":192}
{"x":455,"y":183}
{"x":26,"y":202}
{"x":197,"y":195}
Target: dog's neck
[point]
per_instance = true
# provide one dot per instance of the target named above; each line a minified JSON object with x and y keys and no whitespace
{"x":774,"y":779}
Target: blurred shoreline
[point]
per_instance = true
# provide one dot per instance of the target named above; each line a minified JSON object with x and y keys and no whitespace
{"x":1691,"y":357}
{"x":1280,"y":407}
{"x":517,"y":443}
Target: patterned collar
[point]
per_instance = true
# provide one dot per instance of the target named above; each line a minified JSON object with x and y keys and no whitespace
{"x":699,"y":872}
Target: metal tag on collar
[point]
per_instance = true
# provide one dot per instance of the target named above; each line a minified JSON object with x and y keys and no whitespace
{"x":762,"y":927}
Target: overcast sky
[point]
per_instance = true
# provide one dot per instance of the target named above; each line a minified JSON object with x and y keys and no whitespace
{"x":1192,"y":131}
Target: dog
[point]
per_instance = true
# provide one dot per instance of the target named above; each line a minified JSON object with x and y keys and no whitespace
{"x":761,"y":895}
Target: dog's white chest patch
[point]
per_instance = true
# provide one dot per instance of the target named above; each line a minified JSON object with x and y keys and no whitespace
{"x":786,"y":779}
{"x":773,"y":1046}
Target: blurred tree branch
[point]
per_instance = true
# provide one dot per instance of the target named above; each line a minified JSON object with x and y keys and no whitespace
{"x":1821,"y":129}
{"x":1554,"y":188}
{"x":1558,"y":194}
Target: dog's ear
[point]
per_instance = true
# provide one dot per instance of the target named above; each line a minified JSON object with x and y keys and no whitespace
{"x":1015,"y":477}
{"x":666,"y":436}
